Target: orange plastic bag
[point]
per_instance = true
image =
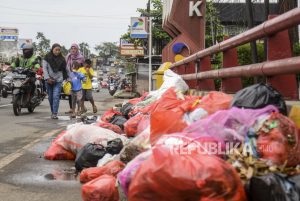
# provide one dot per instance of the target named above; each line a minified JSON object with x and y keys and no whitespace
{"x":100,"y":189}
{"x":57,"y":152}
{"x":168,"y":176}
{"x":131,"y":126}
{"x":110,"y":126}
{"x":165,"y":122}
{"x":215,"y":101}
{"x":107,"y":116}
{"x":278,"y":140}
{"x":111,"y":168}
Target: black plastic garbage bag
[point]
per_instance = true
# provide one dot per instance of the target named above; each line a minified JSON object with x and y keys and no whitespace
{"x":114,"y":146}
{"x":126,"y":109}
{"x":274,"y":187}
{"x":89,"y":120}
{"x":259,"y":96}
{"x":89,"y":155}
{"x":118,"y":120}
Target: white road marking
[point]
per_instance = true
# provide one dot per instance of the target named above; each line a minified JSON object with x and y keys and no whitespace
{"x":5,"y":105}
{"x":13,"y":156}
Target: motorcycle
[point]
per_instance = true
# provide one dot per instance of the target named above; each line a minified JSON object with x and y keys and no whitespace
{"x":6,"y":83}
{"x":113,"y":86}
{"x":26,"y":94}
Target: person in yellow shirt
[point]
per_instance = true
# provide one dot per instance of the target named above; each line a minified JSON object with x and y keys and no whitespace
{"x":87,"y":93}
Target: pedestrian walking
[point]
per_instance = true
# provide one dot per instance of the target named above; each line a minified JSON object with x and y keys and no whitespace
{"x":73,"y":56}
{"x":54,"y":68}
{"x":76,"y":93}
{"x":87,"y":94}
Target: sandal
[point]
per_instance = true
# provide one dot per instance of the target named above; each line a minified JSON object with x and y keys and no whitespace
{"x":95,"y":109}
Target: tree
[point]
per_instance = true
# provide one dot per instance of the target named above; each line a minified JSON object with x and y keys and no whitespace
{"x":107,"y":50}
{"x":64,"y":50}
{"x":42,"y":45}
{"x":85,"y":49}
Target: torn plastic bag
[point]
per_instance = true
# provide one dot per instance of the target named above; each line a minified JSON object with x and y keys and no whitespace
{"x":118,"y":120}
{"x":109,"y":126}
{"x":77,"y":137}
{"x":191,"y":117}
{"x":126,"y":109}
{"x":259,"y":96}
{"x":102,"y":188}
{"x":108,"y":115}
{"x":273,"y":187}
{"x":278,"y":141}
{"x":114,"y":146}
{"x":89,"y":155}
{"x":57,"y":152}
{"x":111,"y":168}
{"x":127,"y":174}
{"x":137,"y":100}
{"x":166,"y":175}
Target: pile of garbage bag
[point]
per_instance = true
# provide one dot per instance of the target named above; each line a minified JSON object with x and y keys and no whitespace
{"x":168,"y":145}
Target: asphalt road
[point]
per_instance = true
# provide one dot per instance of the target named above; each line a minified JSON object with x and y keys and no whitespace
{"x":24,"y":174}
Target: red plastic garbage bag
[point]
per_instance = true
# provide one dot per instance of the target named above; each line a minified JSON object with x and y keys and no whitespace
{"x":278,"y":140}
{"x":131,"y":126}
{"x":165,"y":122}
{"x":111,"y":168}
{"x":107,"y":116}
{"x":168,"y":176}
{"x":215,"y":101}
{"x":57,"y":152}
{"x":100,"y":189}
{"x":137,"y":100}
{"x":110,"y":126}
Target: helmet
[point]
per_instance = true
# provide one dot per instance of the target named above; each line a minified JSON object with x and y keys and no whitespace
{"x":27,"y":51}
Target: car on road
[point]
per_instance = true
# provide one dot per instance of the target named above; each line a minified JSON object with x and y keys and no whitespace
{"x":95,"y":84}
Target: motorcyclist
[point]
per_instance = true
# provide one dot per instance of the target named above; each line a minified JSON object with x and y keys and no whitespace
{"x":28,"y":59}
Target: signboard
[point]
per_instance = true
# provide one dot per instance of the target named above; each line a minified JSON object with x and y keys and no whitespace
{"x":134,"y":52}
{"x":8,"y":34}
{"x":128,"y":49}
{"x":138,"y":27}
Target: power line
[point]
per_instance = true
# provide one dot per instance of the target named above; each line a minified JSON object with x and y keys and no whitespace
{"x":61,"y":14}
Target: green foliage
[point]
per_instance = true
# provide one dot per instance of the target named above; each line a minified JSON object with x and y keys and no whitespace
{"x":64,"y":50}
{"x":296,"y":49}
{"x":213,"y":27}
{"x":85,"y":49}
{"x":107,"y":50}
{"x":130,"y":67}
{"x":42,"y":46}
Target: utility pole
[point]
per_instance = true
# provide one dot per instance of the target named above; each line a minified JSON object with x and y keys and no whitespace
{"x":150,"y":44}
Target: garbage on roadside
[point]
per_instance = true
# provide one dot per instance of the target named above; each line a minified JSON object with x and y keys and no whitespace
{"x":167,"y":145}
{"x":259,"y":96}
{"x":57,"y":152}
{"x":102,"y":188}
{"x":111,"y":168}
{"x":89,"y":155}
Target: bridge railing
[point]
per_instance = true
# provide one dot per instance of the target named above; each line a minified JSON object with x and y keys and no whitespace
{"x":280,"y":69}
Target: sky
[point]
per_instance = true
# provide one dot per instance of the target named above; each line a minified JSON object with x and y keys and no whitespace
{"x":69,"y":21}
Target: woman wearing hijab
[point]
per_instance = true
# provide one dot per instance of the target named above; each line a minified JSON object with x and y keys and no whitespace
{"x":54,"y":67}
{"x":74,"y":55}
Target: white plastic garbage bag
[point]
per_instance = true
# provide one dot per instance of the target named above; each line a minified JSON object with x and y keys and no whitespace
{"x":80,"y":135}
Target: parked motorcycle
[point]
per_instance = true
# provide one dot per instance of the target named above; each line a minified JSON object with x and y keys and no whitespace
{"x":26,"y":94}
{"x":6,"y":82}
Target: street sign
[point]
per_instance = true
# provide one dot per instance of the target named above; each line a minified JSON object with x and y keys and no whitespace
{"x":9,"y":38}
{"x":138,"y":27}
{"x":132,"y":52}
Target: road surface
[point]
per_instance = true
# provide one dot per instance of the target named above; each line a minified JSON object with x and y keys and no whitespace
{"x":24,"y":174}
